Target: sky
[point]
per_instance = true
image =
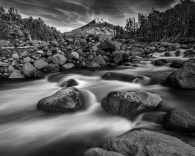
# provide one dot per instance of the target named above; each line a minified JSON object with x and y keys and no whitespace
{"x":67,"y":15}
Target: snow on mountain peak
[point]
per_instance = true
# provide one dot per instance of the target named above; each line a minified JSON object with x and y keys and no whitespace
{"x":99,"y":21}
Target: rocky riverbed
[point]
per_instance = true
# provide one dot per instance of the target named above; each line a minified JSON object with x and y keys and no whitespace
{"x":97,"y":98}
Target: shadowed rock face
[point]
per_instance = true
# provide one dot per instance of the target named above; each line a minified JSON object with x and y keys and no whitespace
{"x":101,"y":152}
{"x":183,"y":78}
{"x":129,"y":103}
{"x":65,"y":100}
{"x":179,"y":120}
{"x":148,"y":143}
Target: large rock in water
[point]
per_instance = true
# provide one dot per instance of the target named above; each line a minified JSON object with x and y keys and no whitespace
{"x":148,"y":143}
{"x":29,"y":70}
{"x":179,"y":120}
{"x":59,"y":59}
{"x":183,"y":78}
{"x":129,"y":103}
{"x":120,"y":77}
{"x":69,"y":83}
{"x":65,"y":100}
{"x":100,"y":152}
{"x":108,"y":46}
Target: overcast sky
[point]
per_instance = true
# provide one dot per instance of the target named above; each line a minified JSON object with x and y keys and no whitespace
{"x":66,"y":15}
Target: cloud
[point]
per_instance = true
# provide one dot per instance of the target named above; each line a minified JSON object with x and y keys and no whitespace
{"x":66,"y":15}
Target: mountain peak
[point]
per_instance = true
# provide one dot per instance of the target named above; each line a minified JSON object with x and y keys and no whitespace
{"x":99,"y":21}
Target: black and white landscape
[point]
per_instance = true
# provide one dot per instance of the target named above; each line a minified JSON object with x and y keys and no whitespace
{"x":97,"y":78}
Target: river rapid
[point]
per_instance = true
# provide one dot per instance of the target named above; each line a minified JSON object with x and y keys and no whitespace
{"x":24,"y":131}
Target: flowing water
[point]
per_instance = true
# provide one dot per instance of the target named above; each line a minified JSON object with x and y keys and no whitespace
{"x":24,"y":131}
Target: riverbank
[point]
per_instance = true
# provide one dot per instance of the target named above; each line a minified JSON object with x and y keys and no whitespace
{"x":36,"y":59}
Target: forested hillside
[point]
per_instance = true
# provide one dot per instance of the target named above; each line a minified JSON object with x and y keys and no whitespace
{"x":175,"y":24}
{"x":13,"y":26}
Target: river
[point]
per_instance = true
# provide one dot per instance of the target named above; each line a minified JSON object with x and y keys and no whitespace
{"x":24,"y":131}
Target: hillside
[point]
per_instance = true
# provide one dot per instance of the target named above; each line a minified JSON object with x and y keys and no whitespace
{"x":13,"y":27}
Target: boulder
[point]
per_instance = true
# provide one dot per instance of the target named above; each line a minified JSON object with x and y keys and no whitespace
{"x":118,"y":58}
{"x":100,"y":60}
{"x":169,"y":54}
{"x":189,"y":54}
{"x":68,"y":66}
{"x":101,"y":152}
{"x":65,"y":100}
{"x":69,"y":83}
{"x":16,"y":74}
{"x":148,"y":143}
{"x":120,"y":77}
{"x":59,"y":59}
{"x":41,"y":64}
{"x":183,"y":78}
{"x":108,"y":46}
{"x":129,"y":103}
{"x":29,"y":70}
{"x":15,"y":56}
{"x":161,"y":49}
{"x":176,"y":64}
{"x":160,"y":62}
{"x":3,"y":64}
{"x":75,"y":55}
{"x":27,"y":59}
{"x":179,"y":120}
{"x":94,"y":48}
{"x":54,"y":68}
{"x":92,"y":65}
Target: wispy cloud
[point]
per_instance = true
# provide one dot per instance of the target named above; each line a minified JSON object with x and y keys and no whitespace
{"x":66,"y":15}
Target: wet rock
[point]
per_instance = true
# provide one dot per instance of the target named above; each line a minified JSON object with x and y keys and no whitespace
{"x":179,"y":120}
{"x":75,"y":55}
{"x":189,"y":54}
{"x":39,"y":74}
{"x":29,"y":70}
{"x":176,"y":64}
{"x":129,"y":103}
{"x":100,"y":60}
{"x":161,"y":49}
{"x":65,"y":100}
{"x":118,"y":58}
{"x":183,"y":78}
{"x":59,"y":59}
{"x":15,"y":56}
{"x":160,"y":62}
{"x":148,"y":143}
{"x":108,"y":46}
{"x":169,"y":54}
{"x":16,"y":74}
{"x":92,"y":65}
{"x":101,"y":52}
{"x":3,"y":64}
{"x":101,"y":152}
{"x":54,"y":68}
{"x":69,"y":83}
{"x":68,"y":66}
{"x":41,"y":64}
{"x":120,"y":77}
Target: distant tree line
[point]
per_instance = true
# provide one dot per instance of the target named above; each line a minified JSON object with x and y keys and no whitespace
{"x":12,"y":21}
{"x":176,"y":23}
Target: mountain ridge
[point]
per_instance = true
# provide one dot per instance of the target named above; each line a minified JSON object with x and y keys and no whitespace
{"x":96,"y":27}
